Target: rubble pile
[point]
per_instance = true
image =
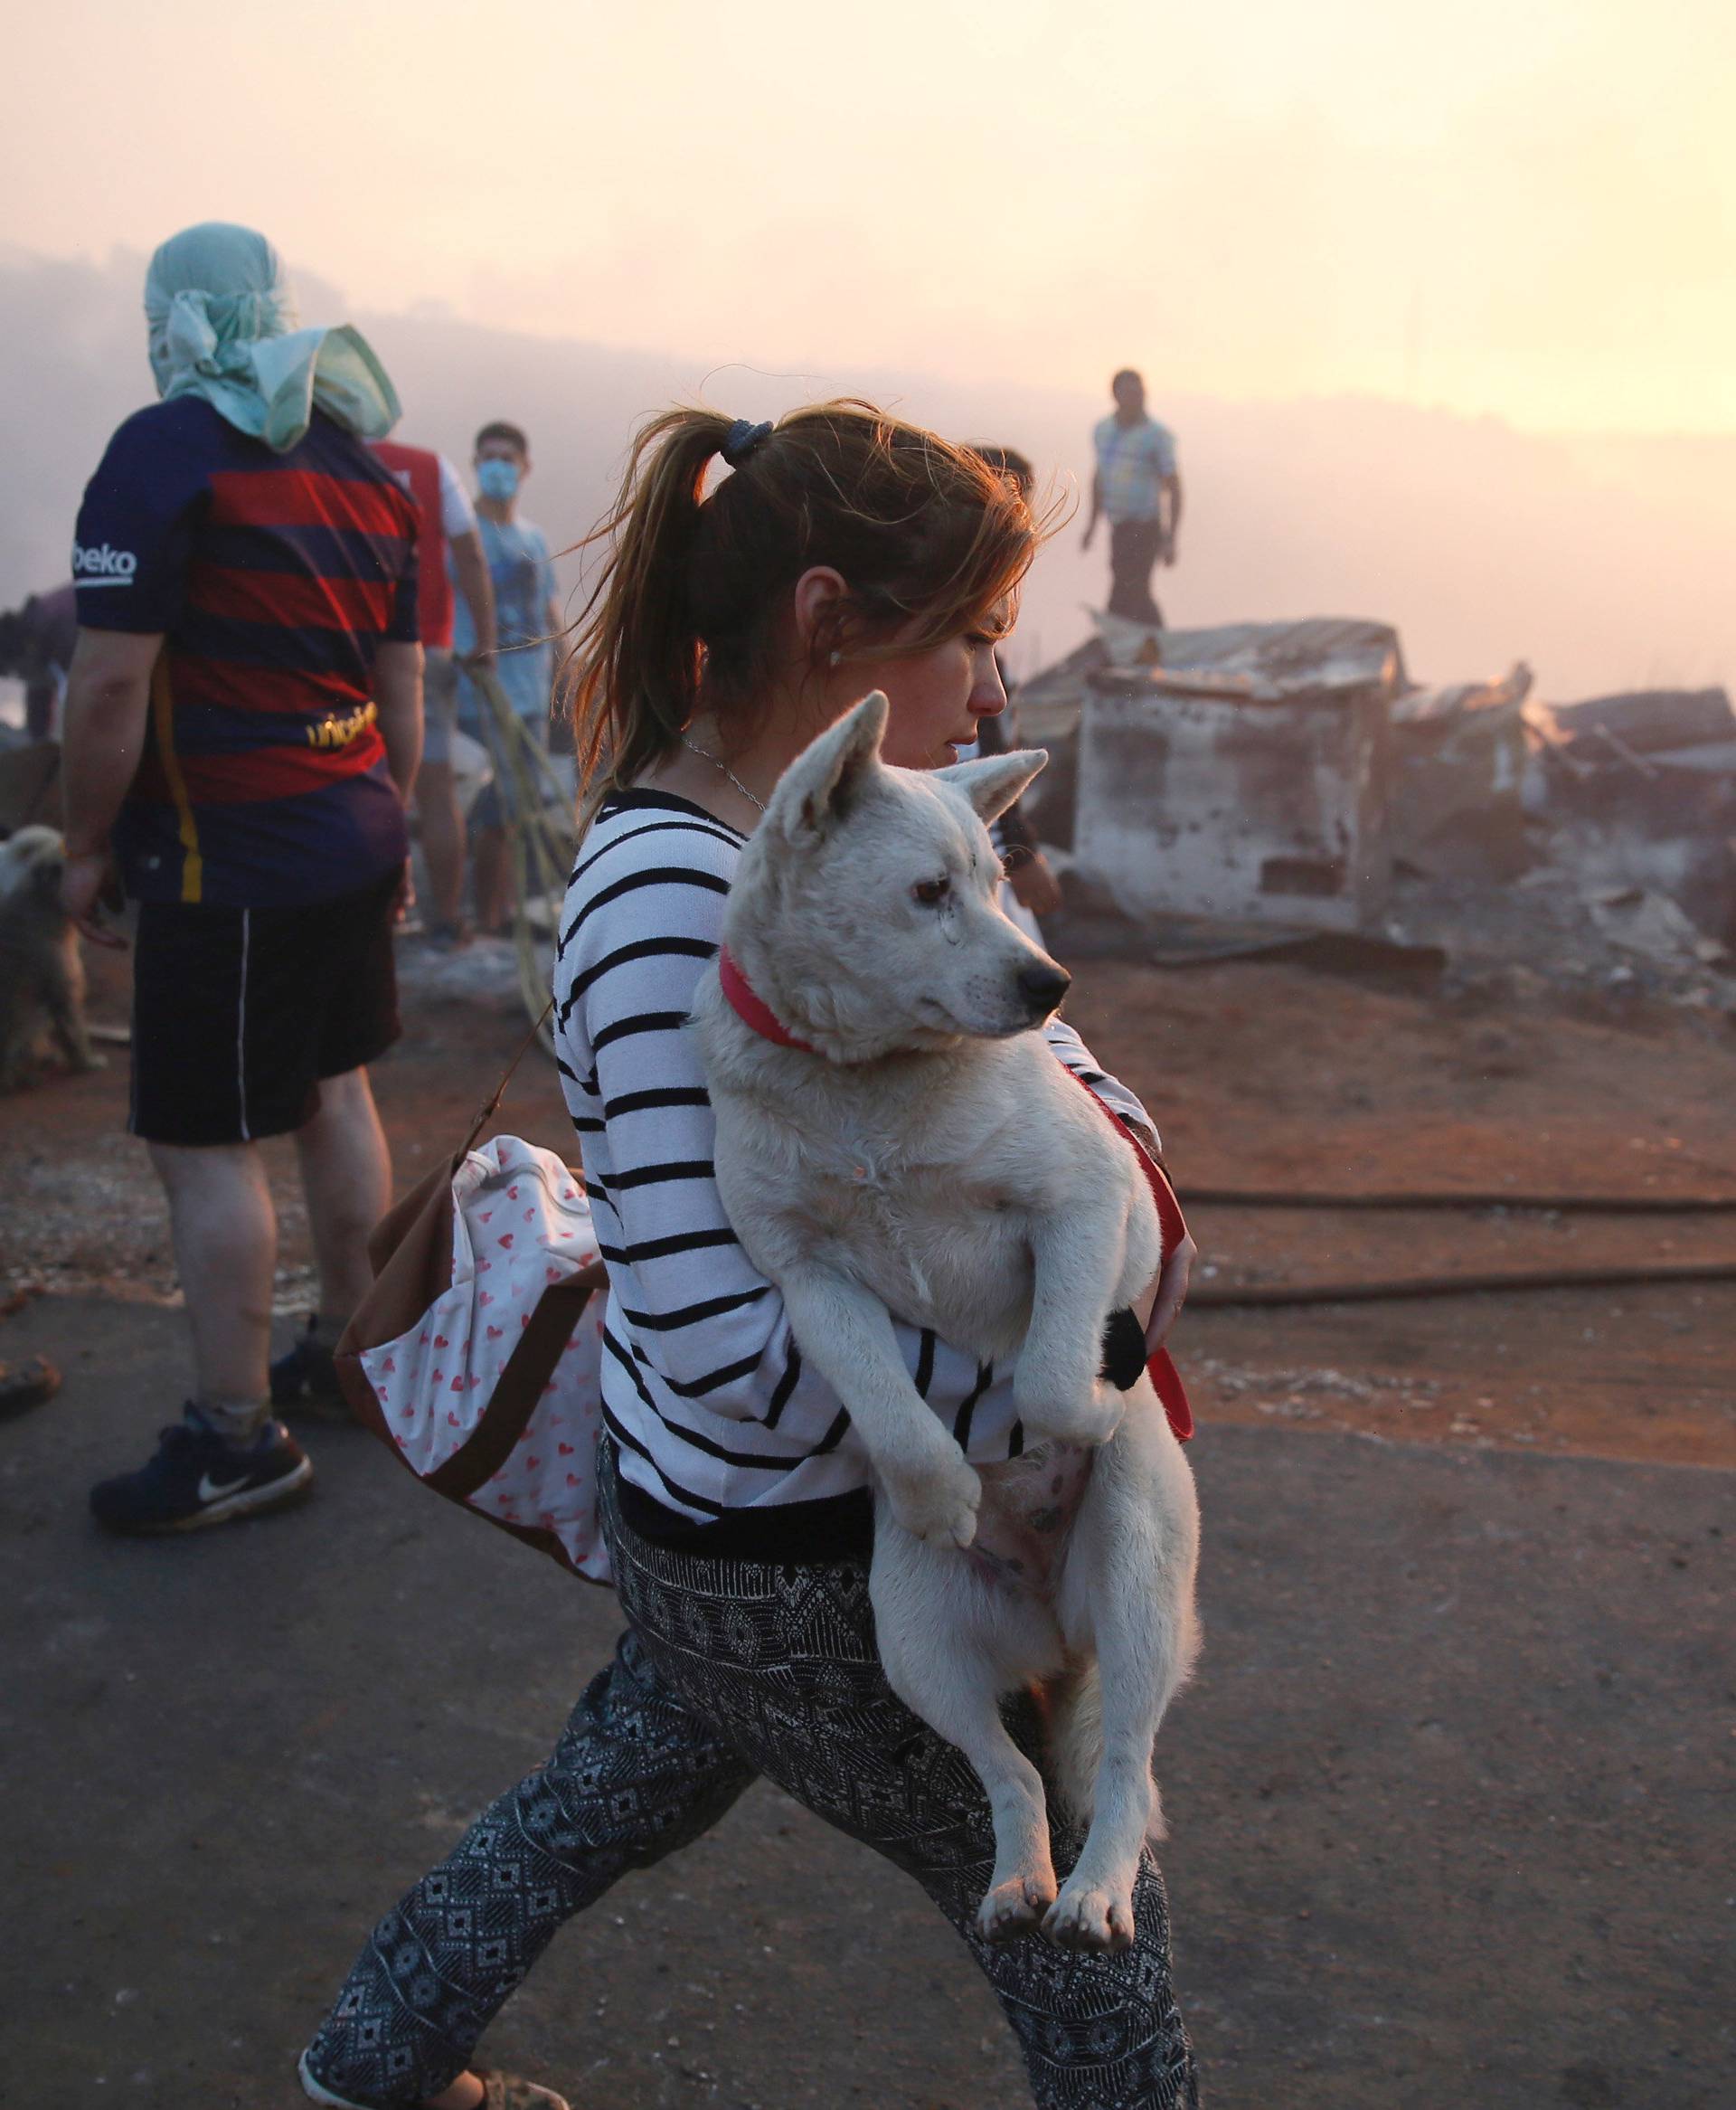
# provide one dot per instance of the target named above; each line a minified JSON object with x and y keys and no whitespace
{"x":1292,"y":778}
{"x":1456,"y":810}
{"x":1640,"y":792}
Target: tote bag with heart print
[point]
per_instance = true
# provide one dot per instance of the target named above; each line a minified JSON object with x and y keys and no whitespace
{"x":477,"y":1355}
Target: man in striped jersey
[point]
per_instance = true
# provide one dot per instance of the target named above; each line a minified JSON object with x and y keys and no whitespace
{"x":243,"y":719}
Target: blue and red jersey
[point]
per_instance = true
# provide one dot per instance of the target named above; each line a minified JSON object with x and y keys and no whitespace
{"x":274,"y":578}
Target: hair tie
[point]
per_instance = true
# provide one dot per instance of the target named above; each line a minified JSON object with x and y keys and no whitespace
{"x":741,"y":440}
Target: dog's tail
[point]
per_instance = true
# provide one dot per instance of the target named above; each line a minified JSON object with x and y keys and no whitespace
{"x":1076,"y":1742}
{"x":1076,"y":1750}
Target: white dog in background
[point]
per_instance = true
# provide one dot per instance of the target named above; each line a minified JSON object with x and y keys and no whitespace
{"x":925,"y":1155}
{"x":42,"y":973}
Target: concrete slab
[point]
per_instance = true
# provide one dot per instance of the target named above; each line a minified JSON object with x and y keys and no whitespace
{"x":1451,"y":1798}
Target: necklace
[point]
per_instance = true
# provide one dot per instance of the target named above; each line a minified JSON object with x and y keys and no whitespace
{"x":694,"y":747}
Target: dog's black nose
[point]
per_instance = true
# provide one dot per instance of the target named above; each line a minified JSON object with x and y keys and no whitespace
{"x":1042,"y":985}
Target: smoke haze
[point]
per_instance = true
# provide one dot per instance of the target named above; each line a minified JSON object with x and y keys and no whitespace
{"x":1602,"y":560}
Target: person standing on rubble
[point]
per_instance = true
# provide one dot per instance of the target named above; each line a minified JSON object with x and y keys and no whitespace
{"x":1138,"y":487}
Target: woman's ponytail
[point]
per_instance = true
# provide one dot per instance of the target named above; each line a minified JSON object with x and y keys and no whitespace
{"x":633,"y":670}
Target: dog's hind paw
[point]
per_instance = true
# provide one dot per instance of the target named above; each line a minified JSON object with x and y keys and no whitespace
{"x":1015,"y":1907}
{"x":1100,"y":1920}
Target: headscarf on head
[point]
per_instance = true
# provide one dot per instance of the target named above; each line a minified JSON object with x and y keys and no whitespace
{"x":222,"y":325}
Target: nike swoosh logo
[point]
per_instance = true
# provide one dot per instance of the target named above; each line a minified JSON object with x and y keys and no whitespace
{"x":212,"y":1490}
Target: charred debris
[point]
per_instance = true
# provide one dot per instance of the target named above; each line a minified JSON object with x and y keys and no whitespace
{"x":1287,"y":789}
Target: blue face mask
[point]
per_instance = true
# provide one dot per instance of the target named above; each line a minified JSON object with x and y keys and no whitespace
{"x":497,"y":479}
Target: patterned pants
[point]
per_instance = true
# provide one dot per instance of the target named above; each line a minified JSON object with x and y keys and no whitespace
{"x":729,"y":1670}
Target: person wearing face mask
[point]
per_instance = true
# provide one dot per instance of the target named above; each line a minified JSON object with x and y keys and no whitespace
{"x":528,"y":619}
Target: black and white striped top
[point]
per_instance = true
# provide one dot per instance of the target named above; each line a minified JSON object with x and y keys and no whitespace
{"x":703,"y":1387}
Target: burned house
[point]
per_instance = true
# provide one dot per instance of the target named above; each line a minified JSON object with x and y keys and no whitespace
{"x":1292,"y":775}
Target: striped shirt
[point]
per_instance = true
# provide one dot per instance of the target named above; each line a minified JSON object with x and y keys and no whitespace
{"x":274,"y":579}
{"x":704,"y":1390}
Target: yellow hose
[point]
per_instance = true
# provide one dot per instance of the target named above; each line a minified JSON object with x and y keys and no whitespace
{"x":542,"y":832}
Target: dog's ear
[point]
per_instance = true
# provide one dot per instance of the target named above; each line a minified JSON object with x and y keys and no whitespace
{"x":993,"y":783}
{"x":827,"y":779}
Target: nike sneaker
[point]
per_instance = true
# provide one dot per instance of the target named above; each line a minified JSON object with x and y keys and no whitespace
{"x":196,"y":1479}
{"x":305,"y":1381}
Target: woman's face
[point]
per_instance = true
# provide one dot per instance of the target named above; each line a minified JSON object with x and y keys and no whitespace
{"x":935,"y":698}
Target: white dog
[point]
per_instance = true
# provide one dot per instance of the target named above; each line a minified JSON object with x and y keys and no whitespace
{"x":41,"y":972}
{"x":920,"y":1151}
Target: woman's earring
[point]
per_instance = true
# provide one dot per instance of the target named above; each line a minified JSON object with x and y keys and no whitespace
{"x":836,"y":659}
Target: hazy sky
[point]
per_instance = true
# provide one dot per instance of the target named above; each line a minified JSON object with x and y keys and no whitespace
{"x":1520,"y":207}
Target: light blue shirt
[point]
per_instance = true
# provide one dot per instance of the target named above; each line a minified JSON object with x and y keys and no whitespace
{"x":1132,"y":461}
{"x":519,"y":564}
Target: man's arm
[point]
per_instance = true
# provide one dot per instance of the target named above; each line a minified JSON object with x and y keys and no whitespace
{"x":108,"y":705}
{"x":553,"y":615}
{"x":1096,"y":506}
{"x":398,"y":692}
{"x":1170,"y":498}
{"x":470,"y":569}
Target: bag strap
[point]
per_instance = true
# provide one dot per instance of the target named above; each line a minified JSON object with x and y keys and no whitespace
{"x":493,"y":1107}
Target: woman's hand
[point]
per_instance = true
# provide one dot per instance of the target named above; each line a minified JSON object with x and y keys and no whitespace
{"x":1172,"y":1293}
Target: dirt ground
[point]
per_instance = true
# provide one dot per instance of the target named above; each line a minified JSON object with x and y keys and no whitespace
{"x":1261,"y":1075}
{"x":1450,"y":1799}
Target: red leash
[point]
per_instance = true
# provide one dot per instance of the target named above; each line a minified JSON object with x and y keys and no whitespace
{"x":1166,"y":1379}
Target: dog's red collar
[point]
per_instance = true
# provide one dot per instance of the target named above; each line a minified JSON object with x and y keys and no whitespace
{"x":751,"y":1009}
{"x":754,"y":1011}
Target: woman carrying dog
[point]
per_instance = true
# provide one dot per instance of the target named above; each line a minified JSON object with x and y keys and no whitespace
{"x":843,"y":551}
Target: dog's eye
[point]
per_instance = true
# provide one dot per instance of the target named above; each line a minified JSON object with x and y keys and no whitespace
{"x":930,"y":892}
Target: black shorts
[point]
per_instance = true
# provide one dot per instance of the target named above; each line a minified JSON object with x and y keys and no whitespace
{"x":239,"y":1013}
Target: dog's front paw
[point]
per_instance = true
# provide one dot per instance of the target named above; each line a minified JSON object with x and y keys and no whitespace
{"x":1089,"y":1418}
{"x":938,"y":1503}
{"x":1095,"y":1918}
{"x":1016,"y":1908}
